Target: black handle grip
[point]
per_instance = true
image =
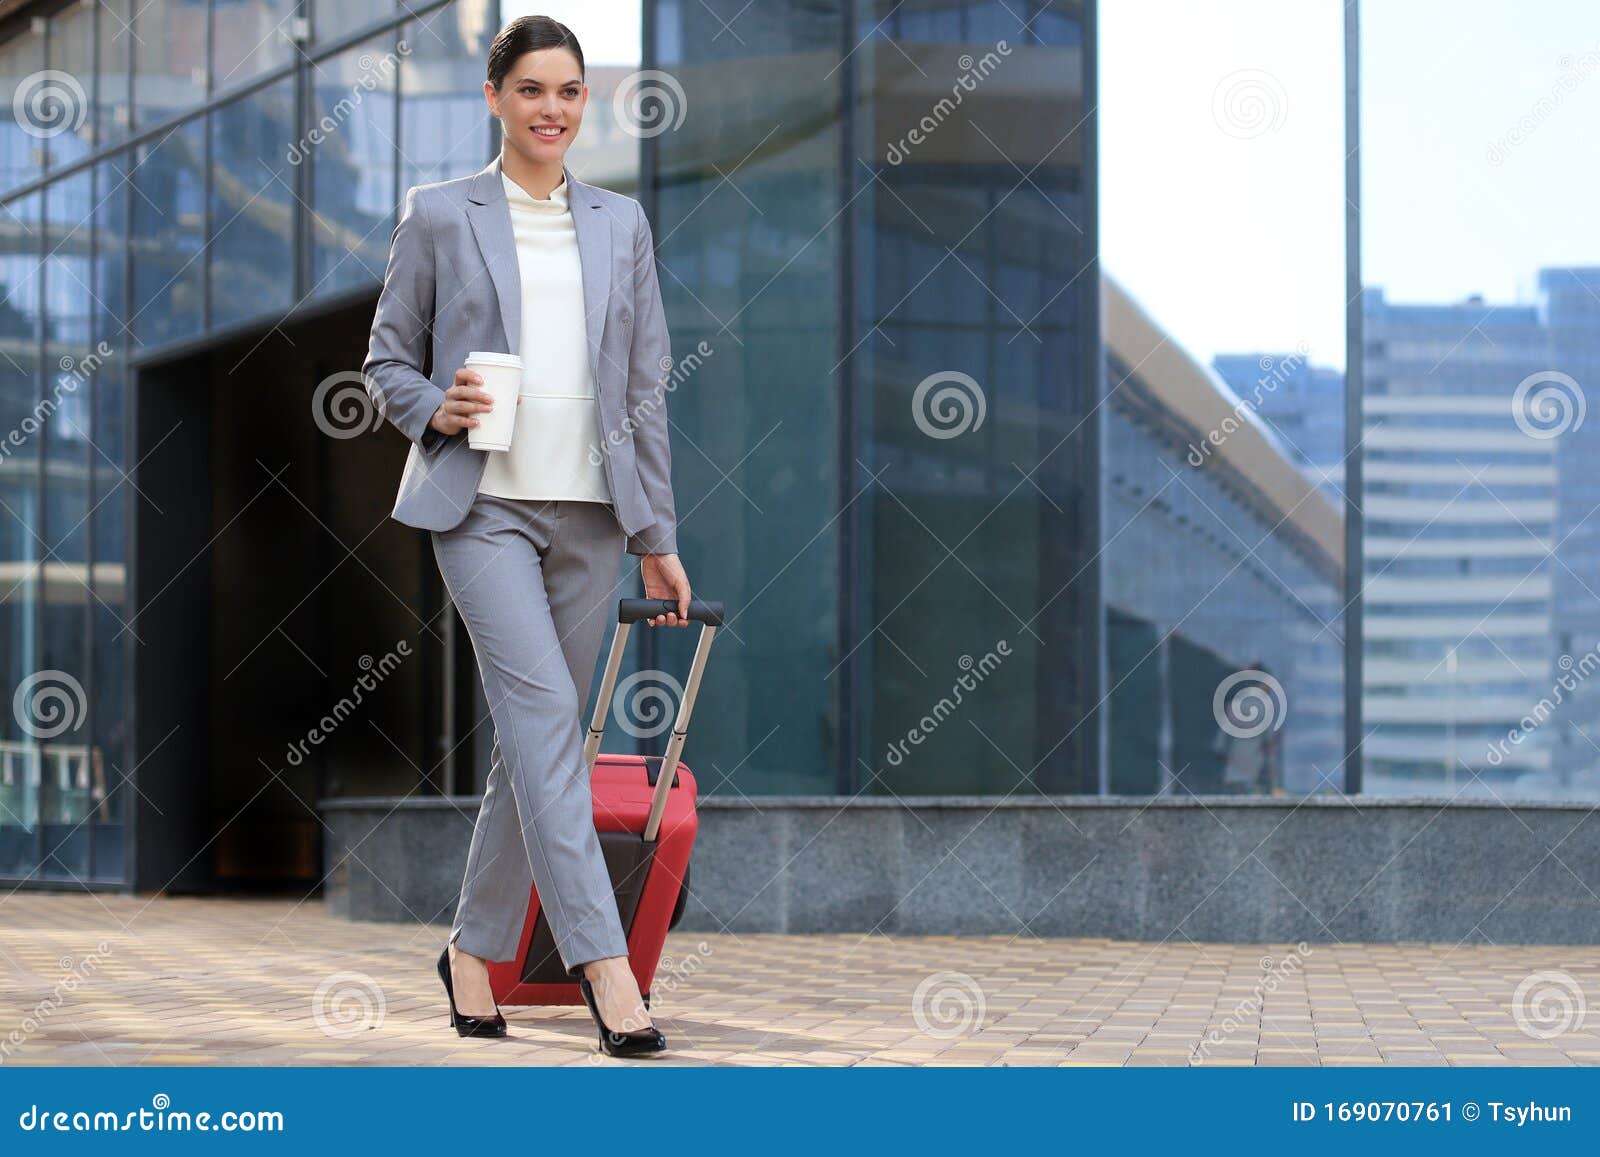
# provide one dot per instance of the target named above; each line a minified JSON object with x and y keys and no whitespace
{"x":638,"y":610}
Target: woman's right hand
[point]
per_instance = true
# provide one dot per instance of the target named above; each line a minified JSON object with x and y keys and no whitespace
{"x":461,"y":401}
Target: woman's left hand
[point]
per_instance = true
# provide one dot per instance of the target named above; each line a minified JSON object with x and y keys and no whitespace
{"x":664,"y":578}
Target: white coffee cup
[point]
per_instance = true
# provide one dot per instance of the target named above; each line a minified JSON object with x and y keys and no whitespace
{"x":502,"y":378}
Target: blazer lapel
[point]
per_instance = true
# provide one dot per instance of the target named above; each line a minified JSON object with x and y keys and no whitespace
{"x":490,"y":217}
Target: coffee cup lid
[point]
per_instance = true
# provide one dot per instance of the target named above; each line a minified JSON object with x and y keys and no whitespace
{"x":494,"y":359}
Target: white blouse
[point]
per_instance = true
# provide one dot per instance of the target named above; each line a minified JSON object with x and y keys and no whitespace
{"x":555,"y":444}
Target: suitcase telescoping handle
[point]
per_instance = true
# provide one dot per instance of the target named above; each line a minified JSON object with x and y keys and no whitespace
{"x":630,"y":611}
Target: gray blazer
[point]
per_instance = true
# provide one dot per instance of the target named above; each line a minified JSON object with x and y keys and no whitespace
{"x":453,"y":273}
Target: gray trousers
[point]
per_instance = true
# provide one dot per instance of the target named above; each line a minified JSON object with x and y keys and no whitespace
{"x":536,"y":585}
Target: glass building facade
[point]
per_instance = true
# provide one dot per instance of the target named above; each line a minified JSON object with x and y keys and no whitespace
{"x":986,"y":524}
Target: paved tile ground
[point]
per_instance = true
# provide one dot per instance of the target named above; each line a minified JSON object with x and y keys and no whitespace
{"x":120,"y":980}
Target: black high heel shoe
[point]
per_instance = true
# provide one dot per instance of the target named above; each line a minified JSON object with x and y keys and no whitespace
{"x":621,"y":1044}
{"x":468,"y":1025}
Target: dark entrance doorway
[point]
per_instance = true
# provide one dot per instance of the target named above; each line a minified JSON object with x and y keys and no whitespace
{"x":291,"y":645}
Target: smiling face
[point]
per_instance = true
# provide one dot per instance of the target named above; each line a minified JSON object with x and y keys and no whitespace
{"x":540,"y":104}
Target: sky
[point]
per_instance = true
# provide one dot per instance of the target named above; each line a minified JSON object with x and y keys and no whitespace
{"x":1222,"y":146}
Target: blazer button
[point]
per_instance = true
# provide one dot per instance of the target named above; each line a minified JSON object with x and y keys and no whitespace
{"x":627,"y":317}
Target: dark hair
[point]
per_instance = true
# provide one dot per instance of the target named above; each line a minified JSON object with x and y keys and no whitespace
{"x":529,"y":34}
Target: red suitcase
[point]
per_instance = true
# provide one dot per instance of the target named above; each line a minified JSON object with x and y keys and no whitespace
{"x":644,"y":811}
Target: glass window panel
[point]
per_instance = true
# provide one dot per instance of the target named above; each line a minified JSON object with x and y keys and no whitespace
{"x":444,"y":121}
{"x":71,"y":55}
{"x":336,"y":18}
{"x":1481,"y":311}
{"x":1224,"y":326}
{"x":169,"y":235}
{"x":114,"y":117}
{"x":252,"y":205}
{"x":353,"y":165}
{"x":169,"y":59}
{"x":21,"y":298}
{"x":22,"y":145}
{"x":250,"y":38}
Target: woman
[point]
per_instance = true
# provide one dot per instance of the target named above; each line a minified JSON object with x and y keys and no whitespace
{"x":522,"y":258}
